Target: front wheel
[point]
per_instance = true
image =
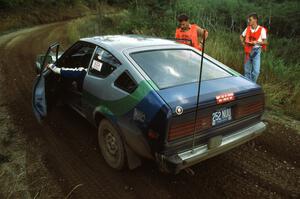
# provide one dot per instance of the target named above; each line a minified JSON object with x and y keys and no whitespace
{"x":111,"y":145}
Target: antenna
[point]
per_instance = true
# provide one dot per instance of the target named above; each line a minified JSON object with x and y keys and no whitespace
{"x":198,"y":91}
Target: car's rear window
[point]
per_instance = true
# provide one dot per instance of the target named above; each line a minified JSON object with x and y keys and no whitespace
{"x":176,"y":67}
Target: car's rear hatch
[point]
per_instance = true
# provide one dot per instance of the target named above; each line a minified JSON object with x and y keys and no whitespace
{"x":212,"y":118}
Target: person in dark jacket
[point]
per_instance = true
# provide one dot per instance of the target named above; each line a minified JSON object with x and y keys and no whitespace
{"x":79,"y":72}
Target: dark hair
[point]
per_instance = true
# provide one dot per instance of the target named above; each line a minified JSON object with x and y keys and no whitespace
{"x":182,"y":17}
{"x":253,"y":15}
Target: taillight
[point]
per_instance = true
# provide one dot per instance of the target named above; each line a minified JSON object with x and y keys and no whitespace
{"x":226,"y":97}
{"x":187,"y":128}
{"x":248,"y":109}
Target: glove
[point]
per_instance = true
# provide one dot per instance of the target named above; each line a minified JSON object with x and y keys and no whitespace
{"x":54,"y":69}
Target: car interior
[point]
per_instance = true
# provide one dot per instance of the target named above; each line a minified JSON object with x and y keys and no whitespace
{"x":79,"y":55}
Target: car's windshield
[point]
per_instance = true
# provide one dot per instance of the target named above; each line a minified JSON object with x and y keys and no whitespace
{"x":176,"y":67}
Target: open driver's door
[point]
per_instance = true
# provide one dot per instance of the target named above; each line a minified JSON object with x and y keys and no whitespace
{"x":39,"y":93}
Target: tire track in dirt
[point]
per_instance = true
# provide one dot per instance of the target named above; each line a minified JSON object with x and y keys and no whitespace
{"x":265,"y":168}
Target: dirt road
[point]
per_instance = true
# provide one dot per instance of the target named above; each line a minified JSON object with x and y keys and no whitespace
{"x":62,"y":154}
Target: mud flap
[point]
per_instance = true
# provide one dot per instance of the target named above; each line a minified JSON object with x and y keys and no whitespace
{"x":133,"y":160}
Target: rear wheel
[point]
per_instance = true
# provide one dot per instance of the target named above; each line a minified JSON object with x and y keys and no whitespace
{"x":111,"y":145}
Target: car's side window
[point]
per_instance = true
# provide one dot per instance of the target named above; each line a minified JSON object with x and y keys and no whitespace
{"x":79,"y":55}
{"x":126,"y":82}
{"x":103,"y":63}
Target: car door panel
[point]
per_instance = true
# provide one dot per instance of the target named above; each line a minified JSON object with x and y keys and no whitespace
{"x":45,"y":85}
{"x":79,"y":55}
{"x":98,"y":84}
{"x":39,"y":103}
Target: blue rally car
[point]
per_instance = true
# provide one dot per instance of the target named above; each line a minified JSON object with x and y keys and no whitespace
{"x":141,"y":94}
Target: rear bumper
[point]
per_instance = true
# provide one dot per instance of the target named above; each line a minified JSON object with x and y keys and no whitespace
{"x":179,"y":161}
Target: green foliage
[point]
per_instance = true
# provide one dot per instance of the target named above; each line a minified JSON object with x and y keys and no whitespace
{"x":83,"y":27}
{"x":281,"y":18}
{"x":9,"y":4}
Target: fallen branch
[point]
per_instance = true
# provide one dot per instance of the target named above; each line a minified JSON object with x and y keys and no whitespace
{"x":70,"y":193}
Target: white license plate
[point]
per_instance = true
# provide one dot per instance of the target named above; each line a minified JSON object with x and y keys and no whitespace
{"x":221,"y":116}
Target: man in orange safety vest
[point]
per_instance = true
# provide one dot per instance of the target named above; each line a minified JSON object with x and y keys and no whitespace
{"x":188,"y":33}
{"x":254,"y":40}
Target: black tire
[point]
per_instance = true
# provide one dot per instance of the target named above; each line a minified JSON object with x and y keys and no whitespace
{"x":111,"y":145}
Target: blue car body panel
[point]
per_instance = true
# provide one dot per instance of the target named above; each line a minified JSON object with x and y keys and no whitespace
{"x":186,"y":95}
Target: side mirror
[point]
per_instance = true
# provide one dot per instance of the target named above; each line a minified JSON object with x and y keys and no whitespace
{"x":43,"y":60}
{"x":39,"y":62}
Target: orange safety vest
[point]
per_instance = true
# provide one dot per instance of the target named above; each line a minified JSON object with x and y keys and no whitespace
{"x":252,"y":36}
{"x":191,"y":35}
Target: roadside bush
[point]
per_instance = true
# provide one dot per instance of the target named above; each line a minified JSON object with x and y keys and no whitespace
{"x":82,"y":27}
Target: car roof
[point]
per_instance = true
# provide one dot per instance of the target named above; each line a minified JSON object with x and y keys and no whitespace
{"x":122,"y":42}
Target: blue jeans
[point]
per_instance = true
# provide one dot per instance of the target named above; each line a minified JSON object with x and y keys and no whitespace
{"x":252,"y":65}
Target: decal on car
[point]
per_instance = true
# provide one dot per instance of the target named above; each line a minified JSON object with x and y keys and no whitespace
{"x":97,"y":65}
{"x":138,"y":115}
{"x":120,"y":106}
